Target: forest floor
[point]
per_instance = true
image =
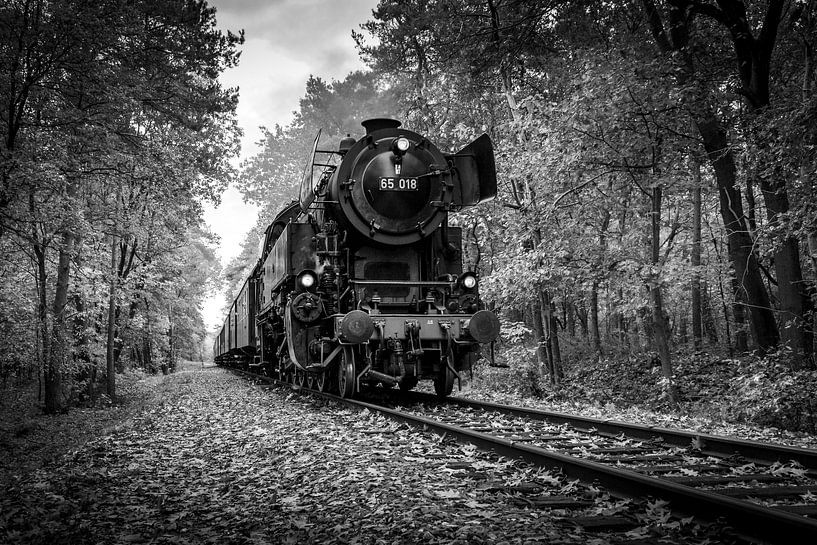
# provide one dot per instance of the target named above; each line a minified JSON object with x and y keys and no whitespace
{"x":750,"y":397}
{"x":202,"y":456}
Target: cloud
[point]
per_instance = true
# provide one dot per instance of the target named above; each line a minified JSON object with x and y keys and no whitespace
{"x":301,"y":23}
{"x":302,"y":26}
{"x":286,"y":41}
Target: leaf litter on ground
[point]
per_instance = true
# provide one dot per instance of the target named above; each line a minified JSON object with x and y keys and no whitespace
{"x":206,"y":458}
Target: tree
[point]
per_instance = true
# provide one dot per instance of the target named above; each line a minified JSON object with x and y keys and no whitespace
{"x":99,"y":94}
{"x":753,"y":57}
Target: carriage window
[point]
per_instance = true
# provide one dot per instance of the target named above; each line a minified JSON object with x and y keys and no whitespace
{"x":389,"y":270}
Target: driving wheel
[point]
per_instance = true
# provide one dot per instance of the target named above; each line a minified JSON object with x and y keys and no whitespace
{"x":346,"y":374}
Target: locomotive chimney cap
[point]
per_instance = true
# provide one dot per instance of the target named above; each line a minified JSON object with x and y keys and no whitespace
{"x":378,"y":123}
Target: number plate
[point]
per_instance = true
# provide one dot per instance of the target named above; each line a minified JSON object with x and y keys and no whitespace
{"x":398,"y":184}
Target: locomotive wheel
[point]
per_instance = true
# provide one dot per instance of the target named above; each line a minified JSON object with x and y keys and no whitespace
{"x":310,"y":380}
{"x":346,"y":374}
{"x":321,"y":381}
{"x":300,"y":377}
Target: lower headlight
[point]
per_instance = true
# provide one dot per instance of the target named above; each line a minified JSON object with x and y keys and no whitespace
{"x":468,"y":281}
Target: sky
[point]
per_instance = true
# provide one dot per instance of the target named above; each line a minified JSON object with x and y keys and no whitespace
{"x":286,"y":41}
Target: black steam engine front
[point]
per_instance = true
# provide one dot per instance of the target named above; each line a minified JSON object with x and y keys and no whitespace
{"x":360,"y":281}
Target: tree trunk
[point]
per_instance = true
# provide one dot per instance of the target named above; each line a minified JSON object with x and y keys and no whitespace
{"x":749,"y":282}
{"x":660,"y":330}
{"x":811,"y":238}
{"x":737,"y":309}
{"x":504,"y":73}
{"x":44,"y":333}
{"x":581,"y":314}
{"x":110,"y":360}
{"x":546,"y":313}
{"x":556,"y":372}
{"x":619,"y":321}
{"x":171,"y":360}
{"x":59,"y":348}
{"x":707,"y":317}
{"x":120,"y":325}
{"x":570,"y":317}
{"x":697,"y":329}
{"x":812,"y":250}
{"x":796,"y":308}
{"x":148,"y":341}
{"x":661,"y":335}
{"x":539,"y":329}
{"x":595,"y":334}
{"x":751,"y":208}
{"x":739,"y":315}
{"x":48,"y":362}
{"x":647,"y":329}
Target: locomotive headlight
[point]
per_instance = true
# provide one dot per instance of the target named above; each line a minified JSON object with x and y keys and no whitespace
{"x":401,"y":145}
{"x":468,"y":281}
{"x":306,"y":280}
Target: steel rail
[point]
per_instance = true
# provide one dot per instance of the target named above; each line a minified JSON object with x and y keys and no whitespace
{"x":753,"y":520}
{"x":707,"y":444}
{"x":756,"y":521}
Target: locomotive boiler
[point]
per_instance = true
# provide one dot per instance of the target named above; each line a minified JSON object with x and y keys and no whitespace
{"x":360,"y":282}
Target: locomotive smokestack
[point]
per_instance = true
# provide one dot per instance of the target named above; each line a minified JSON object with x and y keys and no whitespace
{"x":379,"y":123}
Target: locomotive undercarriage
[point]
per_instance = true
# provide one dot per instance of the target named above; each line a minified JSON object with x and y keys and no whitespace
{"x":401,"y":350}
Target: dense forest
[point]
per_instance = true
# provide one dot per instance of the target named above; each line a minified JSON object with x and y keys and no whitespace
{"x":657,"y":178}
{"x":114,"y":132}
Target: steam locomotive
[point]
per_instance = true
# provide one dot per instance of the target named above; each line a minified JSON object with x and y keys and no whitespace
{"x":360,"y":281}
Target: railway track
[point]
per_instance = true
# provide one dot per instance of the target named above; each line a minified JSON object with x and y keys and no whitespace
{"x":764,"y":491}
